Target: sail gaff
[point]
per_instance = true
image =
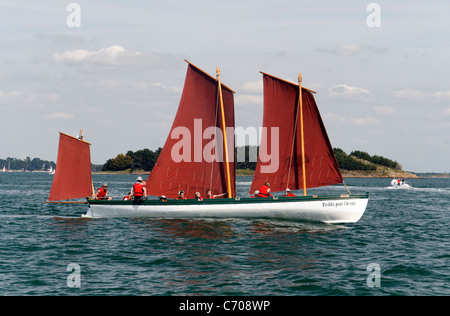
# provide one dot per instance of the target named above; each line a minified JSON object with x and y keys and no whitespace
{"x":73,"y":177}
{"x":281,"y":111}
{"x":192,"y":158}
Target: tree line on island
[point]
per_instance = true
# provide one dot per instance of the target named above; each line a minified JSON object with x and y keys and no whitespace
{"x":27,"y":164}
{"x":145,"y":159}
{"x":33,"y":165}
{"x":360,"y":160}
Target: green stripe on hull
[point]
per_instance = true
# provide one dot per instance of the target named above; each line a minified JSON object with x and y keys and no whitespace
{"x":235,"y":200}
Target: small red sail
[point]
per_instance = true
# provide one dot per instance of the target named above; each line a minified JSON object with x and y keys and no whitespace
{"x":284,"y":170}
{"x":192,"y":159}
{"x":73,"y":178}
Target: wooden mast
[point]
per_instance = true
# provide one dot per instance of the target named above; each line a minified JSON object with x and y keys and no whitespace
{"x":300,"y":103}
{"x":222,"y":111}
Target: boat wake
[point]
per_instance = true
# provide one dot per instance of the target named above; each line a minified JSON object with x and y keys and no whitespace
{"x":35,"y":216}
{"x":402,"y":187}
{"x":244,"y":183}
{"x":433,"y":190}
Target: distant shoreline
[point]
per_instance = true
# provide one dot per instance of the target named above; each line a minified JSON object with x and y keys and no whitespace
{"x":381,"y":173}
{"x":250,"y":173}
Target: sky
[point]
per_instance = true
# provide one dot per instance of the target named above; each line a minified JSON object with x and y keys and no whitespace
{"x":116,"y":70}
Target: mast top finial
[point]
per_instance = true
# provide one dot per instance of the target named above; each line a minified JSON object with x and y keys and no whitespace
{"x":299,"y":77}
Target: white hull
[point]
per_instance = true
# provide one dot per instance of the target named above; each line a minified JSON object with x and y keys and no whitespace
{"x":404,"y":185}
{"x":328,"y":210}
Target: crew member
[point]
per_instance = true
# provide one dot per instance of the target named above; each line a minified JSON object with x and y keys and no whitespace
{"x":209,"y":196}
{"x":102,"y":193}
{"x":181,"y":195}
{"x":139,"y":190}
{"x":255,"y":195}
{"x":264,"y":191}
{"x":198,"y":196}
{"x":288,"y":193}
{"x":127,"y":197}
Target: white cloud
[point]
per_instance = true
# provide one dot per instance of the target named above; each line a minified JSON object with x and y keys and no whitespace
{"x":41,"y":99}
{"x":253,"y":86}
{"x":353,"y":49}
{"x":409,"y":94}
{"x":416,"y":94}
{"x":334,"y":117}
{"x":359,"y":121}
{"x":365,"y":121}
{"x":248,"y":99}
{"x":60,"y":116}
{"x":108,"y":56}
{"x":60,"y":38}
{"x":252,"y":93}
{"x":10,"y":96}
{"x":343,"y":91}
{"x":165,"y":87}
{"x":447,"y":112}
{"x":442,"y":95}
{"x":114,"y":55}
{"x":38,"y":100}
{"x":385,"y":110}
{"x":120,"y":85}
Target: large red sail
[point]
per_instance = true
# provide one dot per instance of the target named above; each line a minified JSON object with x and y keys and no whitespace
{"x":281,"y":111}
{"x":73,"y":178}
{"x":192,"y":159}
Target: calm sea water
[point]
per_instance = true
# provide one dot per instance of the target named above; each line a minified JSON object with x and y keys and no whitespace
{"x":401,"y":246}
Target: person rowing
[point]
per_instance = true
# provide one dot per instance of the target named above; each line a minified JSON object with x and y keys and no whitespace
{"x":139,"y":190}
{"x":102,"y":193}
{"x":264,"y":191}
{"x":288,"y":193}
{"x":210,"y":196}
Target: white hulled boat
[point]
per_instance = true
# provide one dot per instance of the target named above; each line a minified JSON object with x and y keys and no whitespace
{"x":206,"y":113}
{"x":400,"y":183}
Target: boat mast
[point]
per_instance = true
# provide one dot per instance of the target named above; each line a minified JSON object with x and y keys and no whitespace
{"x":300,"y":104}
{"x":227,"y":164}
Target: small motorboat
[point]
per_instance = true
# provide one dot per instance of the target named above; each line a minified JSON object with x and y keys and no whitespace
{"x":400,"y":183}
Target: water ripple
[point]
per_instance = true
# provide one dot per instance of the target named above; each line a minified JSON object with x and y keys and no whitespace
{"x":404,"y":232}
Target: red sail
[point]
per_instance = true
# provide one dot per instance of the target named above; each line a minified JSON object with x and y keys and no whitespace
{"x":281,"y":107}
{"x":72,"y":177}
{"x":192,"y":158}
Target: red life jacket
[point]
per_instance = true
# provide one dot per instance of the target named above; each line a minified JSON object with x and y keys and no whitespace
{"x":102,"y":193}
{"x":289,"y":195}
{"x":138,"y":189}
{"x":263,"y":191}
